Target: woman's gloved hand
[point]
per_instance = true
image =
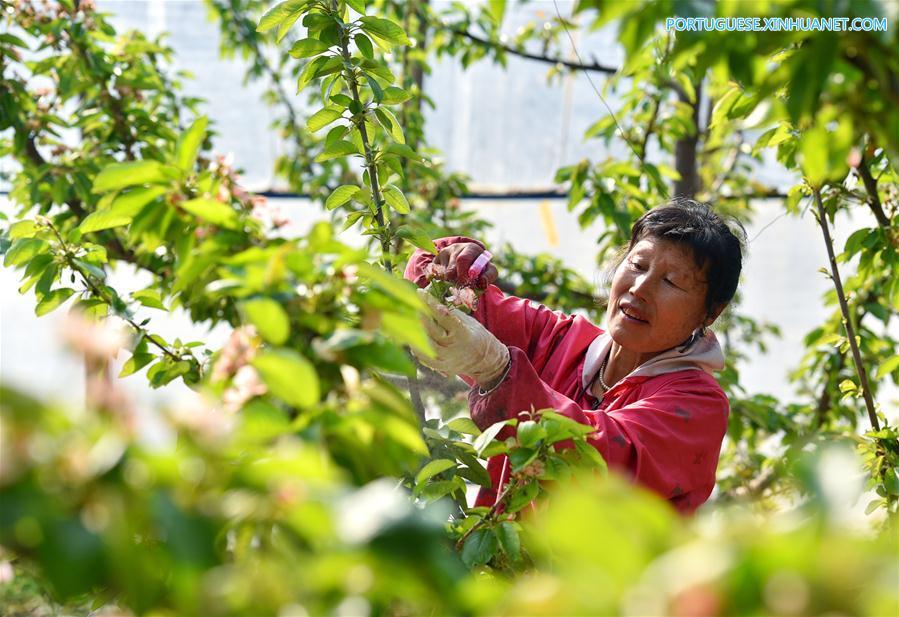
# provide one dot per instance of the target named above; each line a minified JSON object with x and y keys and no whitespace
{"x":462,"y":345}
{"x":459,"y":258}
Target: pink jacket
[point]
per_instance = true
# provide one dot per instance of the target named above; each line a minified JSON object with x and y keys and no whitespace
{"x":662,"y":424}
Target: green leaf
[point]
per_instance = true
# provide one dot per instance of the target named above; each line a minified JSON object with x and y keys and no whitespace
{"x":376,"y":90}
{"x":509,"y":541}
{"x":888,"y":367}
{"x":396,"y":199}
{"x":189,"y":144}
{"x":135,"y":363}
{"x":386,"y":32}
{"x":873,"y":505}
{"x":269,"y":317}
{"x":121,"y":175}
{"x":572,"y":426}
{"x":150,"y":297}
{"x":432,"y":491}
{"x":278,"y":13}
{"x":364,"y":45}
{"x":289,"y":376}
{"x":724,"y":105}
{"x":122,"y":211}
{"x":212,"y":211}
{"x":522,"y":457}
{"x":479,"y":548}
{"x":496,"y":9}
{"x":341,"y":195}
{"x":847,"y":386}
{"x":399,"y":288}
{"x":104,"y":219}
{"x":357,"y":5}
{"x":52,"y":300}
{"x":463,"y":425}
{"x":390,"y":124}
{"x":522,"y":497}
{"x":405,"y":330}
{"x":813,"y":148}
{"x":590,"y":455}
{"x":530,"y":433}
{"x":285,"y":26}
{"x":96,"y":272}
{"x":24,"y":249}
{"x":323,"y":65}
{"x":336,"y":149}
{"x":891,"y":481}
{"x":433,"y":468}
{"x":306,"y":48}
{"x":489,"y":434}
{"x":402,"y":150}
{"x":395,"y":96}
{"x":23,"y":229}
{"x":322,"y":118}
{"x":316,"y":22}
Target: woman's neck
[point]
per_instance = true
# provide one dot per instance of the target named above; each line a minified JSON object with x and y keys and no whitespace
{"x":621,"y":363}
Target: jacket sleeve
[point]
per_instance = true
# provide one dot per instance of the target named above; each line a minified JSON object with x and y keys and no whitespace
{"x":668,"y":440}
{"x":518,"y":322}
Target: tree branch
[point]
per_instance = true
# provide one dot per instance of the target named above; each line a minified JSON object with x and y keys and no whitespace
{"x":650,"y":128}
{"x":595,"y":67}
{"x":685,"y":150}
{"x":870,"y":183}
{"x":844,"y":307}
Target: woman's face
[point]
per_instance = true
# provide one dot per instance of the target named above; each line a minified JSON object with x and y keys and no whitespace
{"x":657,"y":298}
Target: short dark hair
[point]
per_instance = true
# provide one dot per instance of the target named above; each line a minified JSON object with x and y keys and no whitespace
{"x":715,"y":241}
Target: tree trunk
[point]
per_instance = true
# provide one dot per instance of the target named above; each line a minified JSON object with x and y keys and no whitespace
{"x":685,"y":151}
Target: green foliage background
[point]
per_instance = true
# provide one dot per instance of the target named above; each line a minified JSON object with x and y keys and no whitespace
{"x":305,"y":477}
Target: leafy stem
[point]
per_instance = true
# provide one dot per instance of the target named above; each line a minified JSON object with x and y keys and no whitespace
{"x":844,"y":308}
{"x":370,"y":162}
{"x":69,"y":256}
{"x":492,"y":513}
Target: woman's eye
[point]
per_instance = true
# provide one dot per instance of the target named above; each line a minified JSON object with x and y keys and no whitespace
{"x":637,"y":266}
{"x":672,"y":283}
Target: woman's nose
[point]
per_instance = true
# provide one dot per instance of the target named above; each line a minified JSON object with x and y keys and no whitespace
{"x":640,"y":284}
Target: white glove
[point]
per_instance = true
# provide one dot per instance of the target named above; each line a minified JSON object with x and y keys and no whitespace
{"x":462,"y":345}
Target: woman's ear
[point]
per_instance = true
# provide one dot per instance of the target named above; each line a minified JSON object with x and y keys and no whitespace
{"x":714,"y":313}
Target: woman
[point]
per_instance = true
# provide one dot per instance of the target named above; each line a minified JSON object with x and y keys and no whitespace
{"x":645,"y":382}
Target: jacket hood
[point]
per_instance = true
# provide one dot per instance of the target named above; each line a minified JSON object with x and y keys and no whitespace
{"x":704,"y":354}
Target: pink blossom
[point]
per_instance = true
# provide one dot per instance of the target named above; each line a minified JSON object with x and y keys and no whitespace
{"x":238,"y":351}
{"x":265,"y":212}
{"x":463,"y":297}
{"x":350,"y":274}
{"x":258,"y":202}
{"x":198,"y":415}
{"x":241,"y":194}
{"x":6,"y":572}
{"x":245,"y":385}
{"x":435,"y":271}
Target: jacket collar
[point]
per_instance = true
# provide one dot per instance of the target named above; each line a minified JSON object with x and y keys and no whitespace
{"x":704,"y":354}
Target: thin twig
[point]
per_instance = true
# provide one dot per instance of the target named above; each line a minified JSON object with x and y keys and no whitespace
{"x":844,"y":307}
{"x":870,"y":183}
{"x":490,"y":513}
{"x":70,"y":261}
{"x":582,"y":66}
{"x":370,"y":165}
